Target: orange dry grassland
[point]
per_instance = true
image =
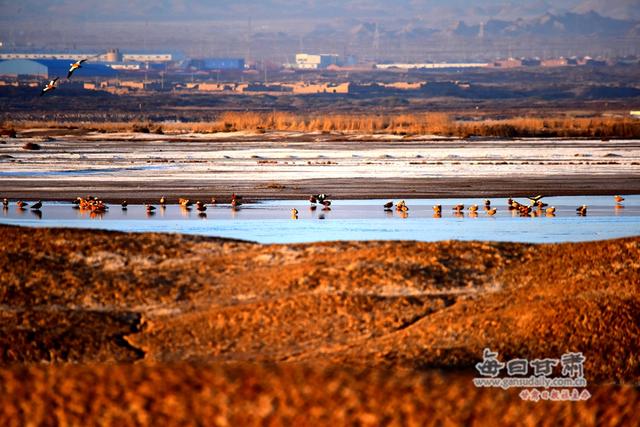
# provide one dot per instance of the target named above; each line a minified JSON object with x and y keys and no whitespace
{"x":406,"y":124}
{"x":104,"y":328}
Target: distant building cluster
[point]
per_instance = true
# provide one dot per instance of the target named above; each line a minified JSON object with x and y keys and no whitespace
{"x":553,"y":62}
{"x":124,"y":72}
{"x":270,"y":89}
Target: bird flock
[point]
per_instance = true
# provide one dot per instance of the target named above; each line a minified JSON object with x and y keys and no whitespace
{"x":536,"y":207}
{"x":53,"y":83}
{"x":97,"y":207}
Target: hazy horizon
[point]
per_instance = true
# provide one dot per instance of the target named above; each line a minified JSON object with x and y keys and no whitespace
{"x":274,"y":30}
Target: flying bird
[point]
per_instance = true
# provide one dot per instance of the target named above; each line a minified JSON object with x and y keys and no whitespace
{"x":49,"y":86}
{"x":74,"y":67}
{"x":535,"y":199}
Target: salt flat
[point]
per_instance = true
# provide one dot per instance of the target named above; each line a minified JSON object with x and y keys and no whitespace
{"x":201,"y":163}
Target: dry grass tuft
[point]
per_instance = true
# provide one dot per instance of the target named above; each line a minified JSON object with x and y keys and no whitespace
{"x":440,"y":124}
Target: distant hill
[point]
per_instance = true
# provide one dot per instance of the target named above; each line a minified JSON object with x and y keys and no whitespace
{"x":549,"y":25}
{"x":621,"y":9}
{"x":431,"y":11}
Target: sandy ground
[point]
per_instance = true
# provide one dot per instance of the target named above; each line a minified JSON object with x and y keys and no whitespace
{"x":137,"y":167}
{"x":288,"y":395}
{"x":227,"y":332}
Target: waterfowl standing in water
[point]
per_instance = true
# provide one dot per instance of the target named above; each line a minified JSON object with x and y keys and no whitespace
{"x":21,"y":204}
{"x":388,"y":206}
{"x":524,"y":210}
{"x":37,"y":206}
{"x":185,"y":202}
{"x":124,"y":204}
{"x":235,"y":200}
{"x":5,"y":203}
{"x":618,"y":199}
{"x":294,"y":213}
{"x":492,"y":212}
{"x":473,"y":208}
{"x":163,"y":201}
{"x":582,"y":210}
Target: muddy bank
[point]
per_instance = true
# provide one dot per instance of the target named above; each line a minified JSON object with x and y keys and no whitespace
{"x":353,"y":188}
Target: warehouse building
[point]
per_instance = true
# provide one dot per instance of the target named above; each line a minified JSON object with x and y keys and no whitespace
{"x":50,"y":68}
{"x":112,"y":55}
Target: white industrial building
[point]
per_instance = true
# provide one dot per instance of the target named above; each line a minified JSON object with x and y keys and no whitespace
{"x":305,"y":61}
{"x":113,"y":55}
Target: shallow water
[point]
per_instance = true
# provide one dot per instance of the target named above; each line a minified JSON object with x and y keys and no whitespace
{"x":271,"y":222}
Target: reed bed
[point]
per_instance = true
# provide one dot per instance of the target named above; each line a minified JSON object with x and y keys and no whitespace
{"x":439,"y":124}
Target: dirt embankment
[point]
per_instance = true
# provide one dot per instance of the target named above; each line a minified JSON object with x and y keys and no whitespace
{"x":345,"y":331}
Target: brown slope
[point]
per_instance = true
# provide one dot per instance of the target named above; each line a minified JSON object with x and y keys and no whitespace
{"x":403,"y":304}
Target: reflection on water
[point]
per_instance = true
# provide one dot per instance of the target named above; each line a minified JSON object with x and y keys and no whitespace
{"x":271,"y":222}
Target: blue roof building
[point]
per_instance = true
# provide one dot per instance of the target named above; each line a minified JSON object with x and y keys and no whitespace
{"x":50,"y":68}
